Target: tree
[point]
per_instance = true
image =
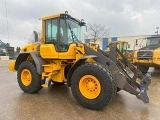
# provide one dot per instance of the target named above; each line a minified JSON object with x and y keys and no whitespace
{"x":97,"y":31}
{"x":18,"y":49}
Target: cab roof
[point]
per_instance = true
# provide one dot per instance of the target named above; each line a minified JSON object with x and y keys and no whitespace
{"x":52,"y":16}
{"x":58,"y":15}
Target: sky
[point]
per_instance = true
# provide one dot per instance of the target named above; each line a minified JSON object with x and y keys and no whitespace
{"x":122,"y":17}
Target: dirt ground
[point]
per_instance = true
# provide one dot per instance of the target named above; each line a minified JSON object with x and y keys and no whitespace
{"x":57,"y":102}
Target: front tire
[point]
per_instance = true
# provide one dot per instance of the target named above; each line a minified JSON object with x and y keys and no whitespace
{"x":28,"y":78}
{"x":92,"y":86}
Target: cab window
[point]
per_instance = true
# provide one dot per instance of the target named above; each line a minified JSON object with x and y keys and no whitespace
{"x":51,"y":31}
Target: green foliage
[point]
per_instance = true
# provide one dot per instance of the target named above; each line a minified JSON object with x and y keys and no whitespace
{"x":18,"y":49}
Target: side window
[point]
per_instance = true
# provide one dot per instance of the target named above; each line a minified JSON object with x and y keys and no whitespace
{"x":51,"y":31}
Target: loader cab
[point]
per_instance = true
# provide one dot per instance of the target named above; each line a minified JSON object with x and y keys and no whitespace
{"x":121,"y":45}
{"x":59,"y":35}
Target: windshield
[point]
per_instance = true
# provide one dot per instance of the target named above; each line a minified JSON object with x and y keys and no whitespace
{"x":125,"y":46}
{"x":74,"y":31}
{"x":153,"y":41}
{"x":70,"y":30}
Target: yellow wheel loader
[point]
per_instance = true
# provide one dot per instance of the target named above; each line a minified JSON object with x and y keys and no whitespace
{"x":122,"y":46}
{"x":61,"y":57}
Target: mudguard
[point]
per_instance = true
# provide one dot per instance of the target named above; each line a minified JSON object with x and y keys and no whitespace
{"x":36,"y":58}
{"x":75,"y":66}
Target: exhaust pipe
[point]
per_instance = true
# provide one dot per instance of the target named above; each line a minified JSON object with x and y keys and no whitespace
{"x":35,"y":36}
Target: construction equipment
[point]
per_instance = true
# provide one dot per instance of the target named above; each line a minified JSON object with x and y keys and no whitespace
{"x":6,"y":50}
{"x":122,"y":46}
{"x":148,"y":56}
{"x":2,"y":49}
{"x":61,"y":57}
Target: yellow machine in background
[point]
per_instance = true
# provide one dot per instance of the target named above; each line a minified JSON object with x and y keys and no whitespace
{"x":60,"y":57}
{"x":148,"y":56}
{"x":122,"y":46}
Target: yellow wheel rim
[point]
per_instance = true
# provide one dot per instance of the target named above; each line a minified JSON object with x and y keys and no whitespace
{"x":26,"y":77}
{"x":89,"y":86}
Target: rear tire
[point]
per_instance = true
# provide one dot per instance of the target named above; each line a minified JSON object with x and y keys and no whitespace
{"x":92,"y":86}
{"x":143,"y":69}
{"x":28,"y":78}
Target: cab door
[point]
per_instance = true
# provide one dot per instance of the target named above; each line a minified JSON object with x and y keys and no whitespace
{"x":66,"y":45}
{"x":50,"y":47}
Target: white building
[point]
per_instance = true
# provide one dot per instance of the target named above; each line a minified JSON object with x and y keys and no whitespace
{"x":134,"y":42}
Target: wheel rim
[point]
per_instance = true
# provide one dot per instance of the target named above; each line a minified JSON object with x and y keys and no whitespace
{"x":89,"y":86}
{"x":26,"y":77}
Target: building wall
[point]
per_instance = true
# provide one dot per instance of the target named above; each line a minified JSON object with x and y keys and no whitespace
{"x":87,"y":40}
{"x":104,"y":43}
{"x":141,"y":41}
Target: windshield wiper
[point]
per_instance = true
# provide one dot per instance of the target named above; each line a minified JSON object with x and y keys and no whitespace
{"x":72,"y":34}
